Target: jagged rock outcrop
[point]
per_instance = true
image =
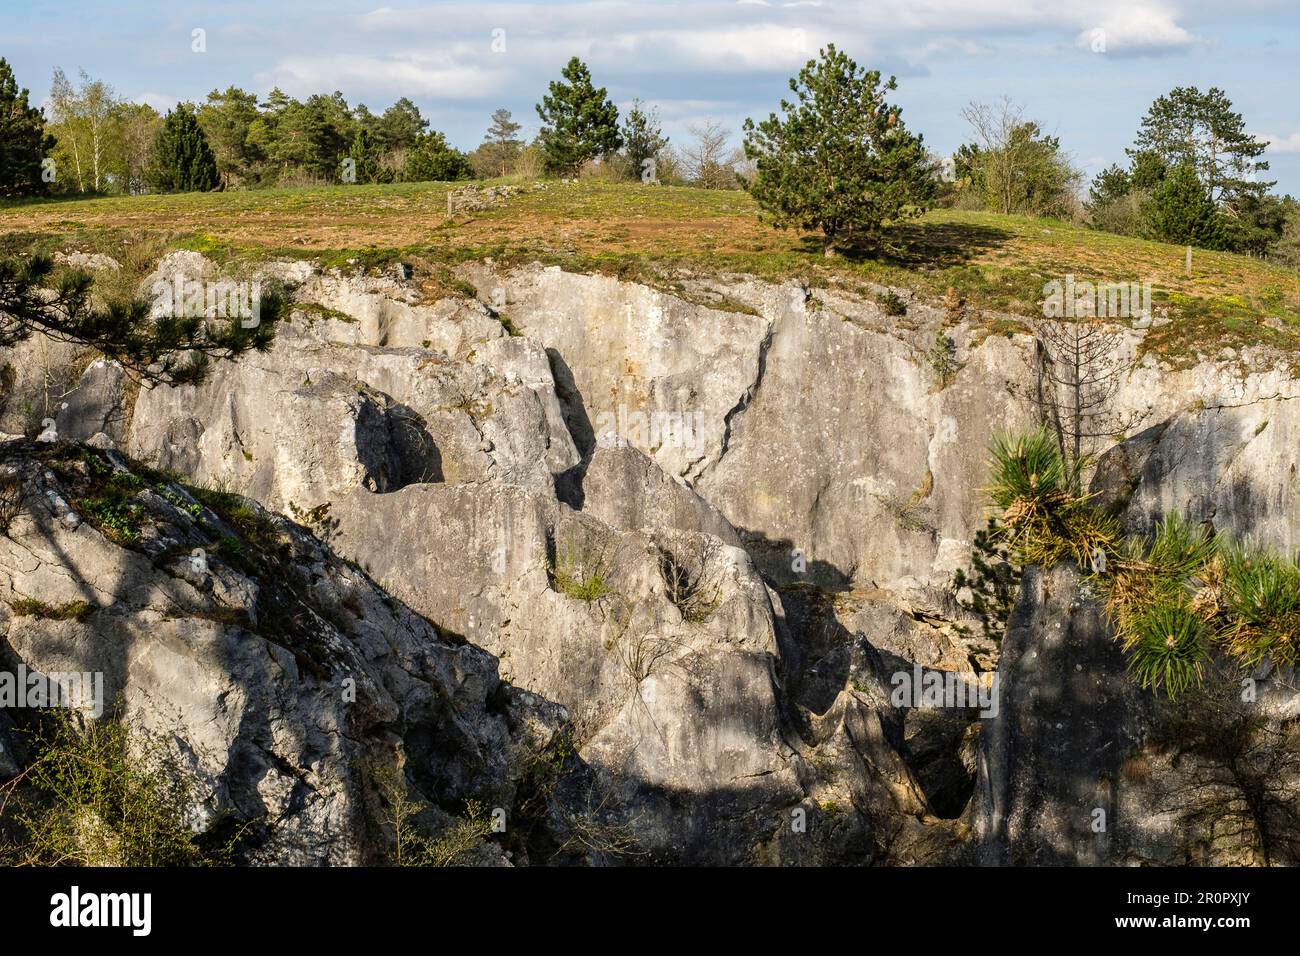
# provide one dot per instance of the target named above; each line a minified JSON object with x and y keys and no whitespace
{"x":1068,"y":717}
{"x":288,"y":681}
{"x":273,"y":425}
{"x":98,"y":405}
{"x":823,"y":429}
{"x":625,"y":489}
{"x":641,"y":613}
{"x":1232,"y":465}
{"x":1081,"y":766}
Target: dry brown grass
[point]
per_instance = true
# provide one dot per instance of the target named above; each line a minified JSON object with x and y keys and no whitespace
{"x":988,"y":260}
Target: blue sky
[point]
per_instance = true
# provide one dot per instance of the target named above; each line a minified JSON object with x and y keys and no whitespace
{"x":717,"y":60}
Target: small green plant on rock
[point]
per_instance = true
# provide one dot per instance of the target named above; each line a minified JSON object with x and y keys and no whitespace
{"x":255,"y":524}
{"x":1043,"y":520}
{"x":30,"y":607}
{"x":107,"y":794}
{"x":942,"y":357}
{"x":457,"y":840}
{"x":993,"y":582}
{"x":1261,"y":592}
{"x":686,"y":581}
{"x":119,"y":520}
{"x":580,"y":573}
{"x":891,"y":303}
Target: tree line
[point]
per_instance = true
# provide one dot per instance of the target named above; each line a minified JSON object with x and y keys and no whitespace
{"x":839,"y":159}
{"x":94,"y":142}
{"x":1193,"y":176}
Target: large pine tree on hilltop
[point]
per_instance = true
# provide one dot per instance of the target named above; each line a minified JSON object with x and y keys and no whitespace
{"x":23,"y":140}
{"x":580,"y":122}
{"x":840,"y":160}
{"x":182,"y":160}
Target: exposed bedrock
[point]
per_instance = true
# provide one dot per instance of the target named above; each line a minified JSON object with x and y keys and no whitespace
{"x":712,"y":524}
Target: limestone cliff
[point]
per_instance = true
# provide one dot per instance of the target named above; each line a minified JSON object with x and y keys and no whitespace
{"x":697,"y":532}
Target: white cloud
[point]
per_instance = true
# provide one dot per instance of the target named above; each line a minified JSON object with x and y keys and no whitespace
{"x":744,"y":32}
{"x":445,"y":52}
{"x":1136,"y":29}
{"x":440,"y":76}
{"x":1283,"y":144}
{"x":757,"y":47}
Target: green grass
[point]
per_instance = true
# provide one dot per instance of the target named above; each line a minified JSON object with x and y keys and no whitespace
{"x":241,"y":514}
{"x":30,"y":607}
{"x":580,"y":573}
{"x":646,"y":233}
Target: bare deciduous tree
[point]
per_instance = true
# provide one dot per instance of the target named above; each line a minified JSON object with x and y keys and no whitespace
{"x":706,"y":159}
{"x":1022,"y":168}
{"x":1080,"y":366}
{"x":995,"y":128}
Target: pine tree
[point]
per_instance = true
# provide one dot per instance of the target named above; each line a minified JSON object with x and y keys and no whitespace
{"x":1181,"y":211}
{"x":310,"y":139}
{"x":579,"y":121}
{"x":365,"y":155}
{"x":400,"y":127}
{"x":1186,"y":126}
{"x":994,"y":581}
{"x":182,"y":160}
{"x":169,"y":349}
{"x":840,"y":161}
{"x":1110,"y":185}
{"x":432,"y":160}
{"x":643,"y":139}
{"x":227,"y":119}
{"x":500,"y":141}
{"x":23,"y":140}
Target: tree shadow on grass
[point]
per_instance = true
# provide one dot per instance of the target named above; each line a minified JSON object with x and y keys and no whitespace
{"x":920,"y":245}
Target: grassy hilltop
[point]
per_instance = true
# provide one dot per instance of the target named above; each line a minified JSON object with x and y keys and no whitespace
{"x":993,"y":261}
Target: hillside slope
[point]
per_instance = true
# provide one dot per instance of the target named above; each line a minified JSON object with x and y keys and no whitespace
{"x":649,"y":233}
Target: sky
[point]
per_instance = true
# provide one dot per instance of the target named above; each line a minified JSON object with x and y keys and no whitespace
{"x":1086,"y":71}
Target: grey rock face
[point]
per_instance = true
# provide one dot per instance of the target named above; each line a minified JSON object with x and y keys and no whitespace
{"x":36,"y":376}
{"x":625,"y":489}
{"x":1233,"y":466}
{"x":287,"y":678}
{"x":97,"y":406}
{"x":671,"y":690}
{"x":667,"y":664}
{"x":639,"y":360}
{"x":1068,"y":718}
{"x":1083,"y":767}
{"x":710,"y":525}
{"x":870,"y":478}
